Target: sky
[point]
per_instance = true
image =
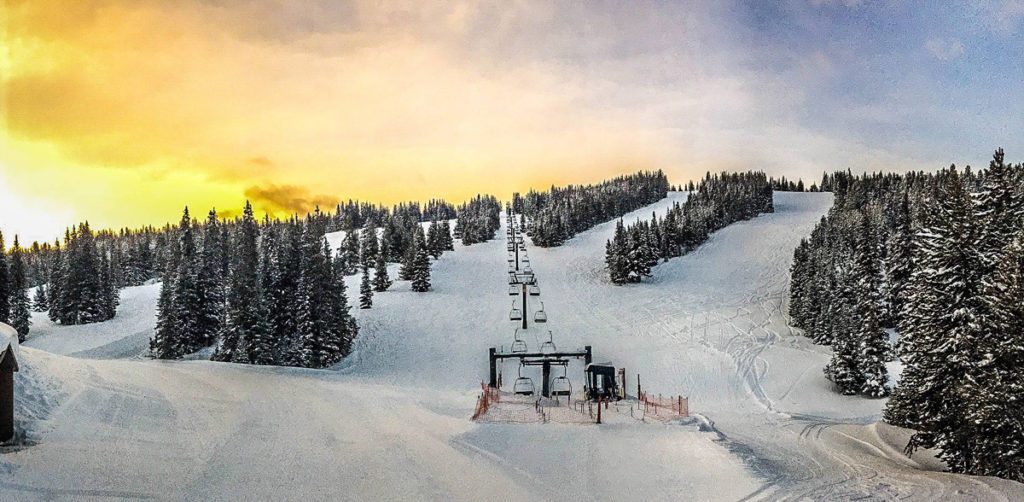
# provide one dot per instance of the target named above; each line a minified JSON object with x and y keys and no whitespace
{"x":121,"y":112}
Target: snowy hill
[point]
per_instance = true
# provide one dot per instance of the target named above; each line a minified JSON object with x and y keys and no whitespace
{"x":392,"y":421}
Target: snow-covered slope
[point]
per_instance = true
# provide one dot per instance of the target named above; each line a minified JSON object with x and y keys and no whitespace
{"x":126,"y":335}
{"x":392,"y":422}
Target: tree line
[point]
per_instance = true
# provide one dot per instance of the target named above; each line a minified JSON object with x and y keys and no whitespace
{"x":940,"y":258}
{"x":273,"y":293}
{"x":14,"y":301}
{"x":717,"y":201}
{"x":478,"y":219}
{"x":558,"y":214}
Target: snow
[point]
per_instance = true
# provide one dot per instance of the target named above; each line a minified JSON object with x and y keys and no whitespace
{"x":8,"y":340}
{"x":392,"y":421}
{"x":127,"y":335}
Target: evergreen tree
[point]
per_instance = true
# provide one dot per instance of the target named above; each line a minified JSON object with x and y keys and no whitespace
{"x":434,"y":244}
{"x":872,"y":341}
{"x":245,"y":334}
{"x":381,"y":281}
{"x":349,"y":252}
{"x":164,"y":344}
{"x":19,"y":292}
{"x":5,"y":285}
{"x":210,"y":284}
{"x":365,"y":290}
{"x":39,"y":301}
{"x":941,"y":332}
{"x":323,"y":319}
{"x":284,"y":294}
{"x":843,"y":369}
{"x":420,"y":275}
{"x":999,"y":209}
{"x":997,"y":384}
{"x":187,"y":299}
{"x":368,"y":244}
{"x":447,"y":243}
{"x":900,"y":263}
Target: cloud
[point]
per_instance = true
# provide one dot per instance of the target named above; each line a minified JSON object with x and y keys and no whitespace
{"x":945,"y":50}
{"x":283,"y":200}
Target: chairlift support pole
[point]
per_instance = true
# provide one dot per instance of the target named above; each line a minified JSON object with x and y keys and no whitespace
{"x":546,"y":388}
{"x":525,"y":311}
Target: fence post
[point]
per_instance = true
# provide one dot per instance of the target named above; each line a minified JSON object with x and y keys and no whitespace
{"x":599,"y":411}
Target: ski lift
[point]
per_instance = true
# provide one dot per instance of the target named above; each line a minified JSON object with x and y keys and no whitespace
{"x":523,"y":385}
{"x":515,"y":314}
{"x":519,"y":345}
{"x":548,"y":346}
{"x":513,"y":290}
{"x":534,"y":290}
{"x":540,"y":315}
{"x":561,"y":386}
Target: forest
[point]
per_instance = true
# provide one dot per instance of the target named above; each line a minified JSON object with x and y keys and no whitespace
{"x":935,"y":261}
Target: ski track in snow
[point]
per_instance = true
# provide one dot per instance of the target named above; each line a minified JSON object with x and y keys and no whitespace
{"x":391,"y":421}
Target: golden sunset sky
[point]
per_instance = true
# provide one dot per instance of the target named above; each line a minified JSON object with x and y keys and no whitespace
{"x":121,"y":112}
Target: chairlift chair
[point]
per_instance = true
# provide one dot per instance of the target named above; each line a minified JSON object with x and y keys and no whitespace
{"x":527,"y":269}
{"x":534,"y":290}
{"x":513,"y":290}
{"x":561,"y":386}
{"x":523,"y":385}
{"x":515,"y":314}
{"x":540,"y":315}
{"x":519,"y":345}
{"x":548,"y":346}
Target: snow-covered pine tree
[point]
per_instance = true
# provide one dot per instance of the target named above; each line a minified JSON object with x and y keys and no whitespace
{"x":368,"y":246}
{"x":315,"y":344}
{"x":5,"y":284}
{"x":187,"y":300}
{"x":408,"y":269}
{"x":56,"y":280}
{"x":871,"y":341}
{"x":365,"y":290}
{"x":421,"y":264}
{"x":349,"y":252}
{"x":843,"y":369}
{"x":270,"y":282}
{"x":433,"y":242}
{"x":615,"y":251}
{"x":245,"y":331}
{"x":164,"y":344}
{"x":211,"y":283}
{"x":999,"y":209}
{"x":381,"y":281}
{"x":343,"y":327}
{"x":110,"y":294}
{"x":997,"y":382}
{"x":19,"y":292}
{"x":447,"y":243}
{"x":941,"y":330}
{"x":900,"y":263}
{"x":40,"y":303}
{"x":283,"y":305}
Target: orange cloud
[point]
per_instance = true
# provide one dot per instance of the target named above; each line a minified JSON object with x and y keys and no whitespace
{"x":283,"y":200}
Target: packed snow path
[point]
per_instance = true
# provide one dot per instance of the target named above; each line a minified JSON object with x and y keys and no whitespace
{"x":392,"y":421}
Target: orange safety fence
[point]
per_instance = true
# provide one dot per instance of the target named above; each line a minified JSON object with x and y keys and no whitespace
{"x":488,"y":396}
{"x":670,"y":405}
